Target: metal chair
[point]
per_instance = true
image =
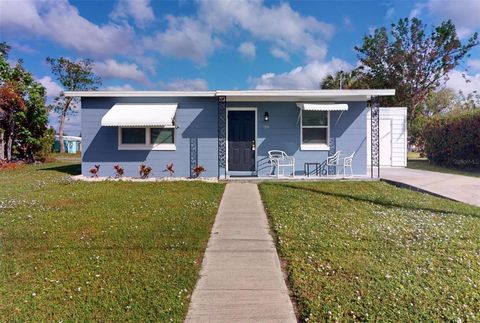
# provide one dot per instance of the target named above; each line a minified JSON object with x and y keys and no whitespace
{"x":281,"y":160}
{"x":332,"y":161}
{"x":347,"y":162}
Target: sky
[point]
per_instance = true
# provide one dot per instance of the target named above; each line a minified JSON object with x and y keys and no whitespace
{"x":213,"y":44}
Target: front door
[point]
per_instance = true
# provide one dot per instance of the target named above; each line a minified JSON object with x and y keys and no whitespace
{"x":241,"y":140}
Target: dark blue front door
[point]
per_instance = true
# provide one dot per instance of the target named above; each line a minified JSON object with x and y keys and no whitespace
{"x":241,"y":140}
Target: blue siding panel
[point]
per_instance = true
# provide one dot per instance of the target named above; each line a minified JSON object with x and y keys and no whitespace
{"x":196,"y":119}
{"x":197,"y":122}
{"x":347,"y":130}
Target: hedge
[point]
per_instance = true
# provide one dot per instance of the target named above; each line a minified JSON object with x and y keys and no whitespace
{"x":454,"y":140}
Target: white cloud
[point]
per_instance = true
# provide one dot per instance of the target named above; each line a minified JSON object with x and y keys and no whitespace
{"x":301,"y":77}
{"x":389,"y":14}
{"x":111,"y":69}
{"x":464,"y":13}
{"x":124,"y":87}
{"x":474,"y":64}
{"x":458,"y":82}
{"x":347,"y":23}
{"x":186,"y":85}
{"x":62,"y":23}
{"x":247,"y":49}
{"x":185,"y":38}
{"x":278,"y":53}
{"x":140,"y":10}
{"x":281,"y":25}
{"x":52,"y":88}
{"x":417,"y":10}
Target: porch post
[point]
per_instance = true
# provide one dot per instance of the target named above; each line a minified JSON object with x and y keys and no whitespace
{"x":375,"y":137}
{"x":222,"y":135}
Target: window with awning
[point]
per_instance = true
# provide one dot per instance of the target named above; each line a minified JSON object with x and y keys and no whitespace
{"x":143,"y":126}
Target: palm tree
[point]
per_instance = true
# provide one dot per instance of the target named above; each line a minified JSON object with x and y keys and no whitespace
{"x":343,"y":80}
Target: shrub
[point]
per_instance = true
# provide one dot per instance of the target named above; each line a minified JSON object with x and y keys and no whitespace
{"x":198,"y":170}
{"x":169,"y":169}
{"x":145,"y":171}
{"x":454,"y":140}
{"x":118,"y":171}
{"x":94,"y":170}
{"x":46,"y":146}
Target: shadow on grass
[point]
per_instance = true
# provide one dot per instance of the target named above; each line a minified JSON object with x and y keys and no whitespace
{"x":377,"y":201}
{"x":424,"y":164}
{"x":72,"y":169}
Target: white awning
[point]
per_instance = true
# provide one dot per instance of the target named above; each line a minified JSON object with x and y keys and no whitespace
{"x":140,"y":115}
{"x":322,"y":106}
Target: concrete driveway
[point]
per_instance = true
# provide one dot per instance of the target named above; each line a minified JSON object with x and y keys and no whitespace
{"x":456,"y":187}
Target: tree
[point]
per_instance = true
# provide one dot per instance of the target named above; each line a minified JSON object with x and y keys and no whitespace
{"x":411,"y":61}
{"x":441,"y":101}
{"x":73,"y":76}
{"x":24,"y":116}
{"x":344,"y":80}
{"x":11,"y":102}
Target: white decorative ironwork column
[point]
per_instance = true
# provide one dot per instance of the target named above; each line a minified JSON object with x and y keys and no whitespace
{"x":222,"y":135}
{"x":375,"y":136}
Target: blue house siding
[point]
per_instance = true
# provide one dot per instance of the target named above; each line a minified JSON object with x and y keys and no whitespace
{"x":348,"y":133}
{"x":196,"y":138}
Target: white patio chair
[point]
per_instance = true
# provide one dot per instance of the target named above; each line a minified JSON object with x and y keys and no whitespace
{"x":347,"y":163}
{"x":281,"y":160}
{"x":332,"y":161}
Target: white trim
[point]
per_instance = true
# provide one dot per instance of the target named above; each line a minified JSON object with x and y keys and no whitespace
{"x":314,"y":146}
{"x":139,"y":93}
{"x":147,"y":145}
{"x":251,"y":95}
{"x":226,"y":135}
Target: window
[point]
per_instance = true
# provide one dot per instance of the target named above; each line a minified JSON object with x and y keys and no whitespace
{"x":146,"y":138}
{"x":161,"y":135}
{"x":315,"y":130}
{"x":133,"y":135}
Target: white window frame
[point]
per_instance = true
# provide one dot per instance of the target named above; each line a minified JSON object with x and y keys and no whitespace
{"x":148,"y":145}
{"x":314,"y":146}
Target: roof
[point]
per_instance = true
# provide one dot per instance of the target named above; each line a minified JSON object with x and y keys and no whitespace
{"x":249,"y":95}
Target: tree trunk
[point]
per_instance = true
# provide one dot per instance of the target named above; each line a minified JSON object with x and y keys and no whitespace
{"x":2,"y":145}
{"x":60,"y":132}
{"x":9,"y":145}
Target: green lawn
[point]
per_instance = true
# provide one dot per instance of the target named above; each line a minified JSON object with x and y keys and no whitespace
{"x":371,"y":251}
{"x":416,"y":162}
{"x":104,"y":251}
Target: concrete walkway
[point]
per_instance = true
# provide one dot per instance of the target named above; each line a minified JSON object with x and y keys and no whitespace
{"x":456,"y":187}
{"x":241,"y":279}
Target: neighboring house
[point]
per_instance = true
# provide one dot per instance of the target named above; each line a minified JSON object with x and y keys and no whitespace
{"x":229,"y":133}
{"x":72,"y":144}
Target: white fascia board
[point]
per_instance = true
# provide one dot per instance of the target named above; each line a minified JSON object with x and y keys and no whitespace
{"x":248,"y":95}
{"x":139,"y":94}
{"x":306,"y":93}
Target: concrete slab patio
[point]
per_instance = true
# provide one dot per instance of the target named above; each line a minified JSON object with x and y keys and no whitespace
{"x":241,"y":279}
{"x":456,"y":187}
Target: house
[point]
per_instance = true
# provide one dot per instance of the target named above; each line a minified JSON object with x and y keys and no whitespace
{"x":229,"y":133}
{"x":72,"y":144}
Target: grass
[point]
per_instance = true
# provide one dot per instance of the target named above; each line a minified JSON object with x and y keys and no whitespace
{"x":368,"y":251}
{"x":104,"y":251}
{"x":414,"y":161}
